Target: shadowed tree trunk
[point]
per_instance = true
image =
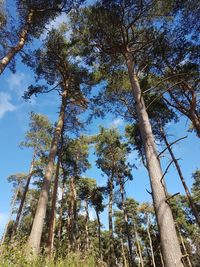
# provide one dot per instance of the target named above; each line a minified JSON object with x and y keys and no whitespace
{"x":22,"y":40}
{"x":189,"y":197}
{"x":23,"y":198}
{"x":99,"y":233}
{"x":169,"y":241}
{"x":37,"y":227}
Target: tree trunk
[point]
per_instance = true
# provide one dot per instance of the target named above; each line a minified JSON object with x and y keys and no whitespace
{"x":184,"y":247}
{"x":150,"y":242}
{"x":139,"y":247}
{"x":72,"y":216}
{"x":23,"y":198}
{"x":53,"y":210}
{"x":169,"y":240}
{"x":14,"y":50}
{"x":189,"y":197}
{"x":60,"y":223}
{"x":86,"y":224}
{"x":123,"y":253}
{"x":99,"y":233}
{"x":195,"y":121}
{"x":37,"y":227}
{"x":10,"y":215}
{"x":110,"y":214}
{"x":126,"y":224}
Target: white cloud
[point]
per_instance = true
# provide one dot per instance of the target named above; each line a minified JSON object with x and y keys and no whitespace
{"x":54,"y":24}
{"x":117,"y":123}
{"x":92,"y":215}
{"x":5,"y":104}
{"x":15,"y":80}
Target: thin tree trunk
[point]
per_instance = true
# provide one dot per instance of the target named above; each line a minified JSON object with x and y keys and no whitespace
{"x":161,"y":258}
{"x":126,"y":223}
{"x":10,"y":215}
{"x":184,"y":247}
{"x":99,"y":233}
{"x":72,"y":216}
{"x":23,"y":198}
{"x":37,"y":227}
{"x":139,"y":247}
{"x":86,"y":224}
{"x":169,"y":241}
{"x":110,"y":214}
{"x":150,"y":242}
{"x":60,"y":224}
{"x":53,"y":210}
{"x":189,"y":197}
{"x":123,"y":253}
{"x":22,"y":40}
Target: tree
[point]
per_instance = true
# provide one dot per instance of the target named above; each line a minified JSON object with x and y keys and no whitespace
{"x":17,"y":180}
{"x":112,"y":154}
{"x":38,"y":137}
{"x":124,"y":35}
{"x":33,"y":16}
{"x":53,"y":65}
{"x":74,"y":163}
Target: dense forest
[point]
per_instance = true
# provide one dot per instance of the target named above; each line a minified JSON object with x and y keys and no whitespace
{"x":135,"y":61}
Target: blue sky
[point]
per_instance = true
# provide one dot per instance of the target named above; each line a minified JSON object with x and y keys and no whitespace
{"x":14,"y":123}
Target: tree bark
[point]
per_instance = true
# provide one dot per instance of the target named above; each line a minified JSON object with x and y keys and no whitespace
{"x":195,"y":121}
{"x":139,"y":247}
{"x":22,"y":40}
{"x":150,"y":242}
{"x":86,"y":224}
{"x":169,"y":241}
{"x":184,"y":247}
{"x":110,"y":214}
{"x":37,"y":227}
{"x":99,"y":233}
{"x":53,"y":210}
{"x":23,"y":198}
{"x":126,"y":224}
{"x":189,"y":197}
{"x":60,"y":223}
{"x":123,"y":253}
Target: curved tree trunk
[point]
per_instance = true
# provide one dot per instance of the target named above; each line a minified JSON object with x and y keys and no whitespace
{"x":189,"y":197}
{"x":14,"y":50}
{"x":169,"y":241}
{"x":23,"y":198}
{"x":37,"y":227}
